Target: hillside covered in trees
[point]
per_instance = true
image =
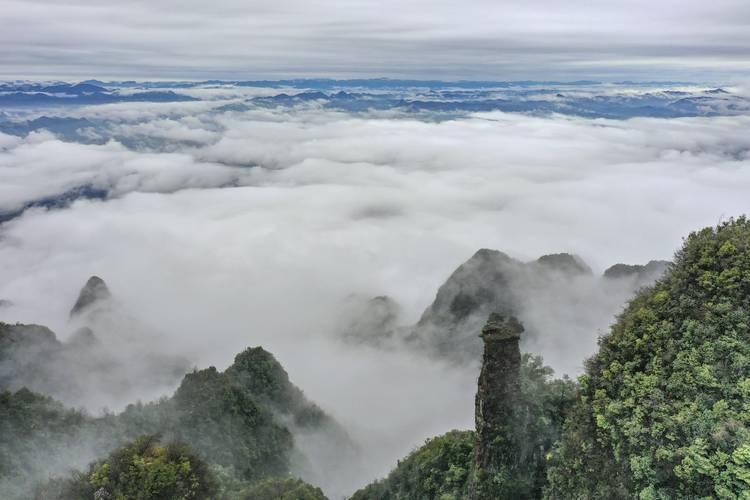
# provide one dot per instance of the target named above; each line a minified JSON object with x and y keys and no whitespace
{"x":663,"y":409}
{"x":223,"y":434}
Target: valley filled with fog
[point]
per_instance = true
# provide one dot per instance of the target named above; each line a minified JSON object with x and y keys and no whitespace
{"x":223,"y":216}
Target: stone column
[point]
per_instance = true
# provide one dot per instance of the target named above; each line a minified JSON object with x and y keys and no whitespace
{"x":498,"y":402}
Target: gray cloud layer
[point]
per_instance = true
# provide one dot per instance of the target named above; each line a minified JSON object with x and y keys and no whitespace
{"x":477,"y":38}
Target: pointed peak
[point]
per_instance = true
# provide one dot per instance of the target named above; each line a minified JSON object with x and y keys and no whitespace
{"x":95,"y":290}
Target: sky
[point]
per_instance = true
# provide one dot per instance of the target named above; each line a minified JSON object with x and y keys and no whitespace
{"x":494,"y":39}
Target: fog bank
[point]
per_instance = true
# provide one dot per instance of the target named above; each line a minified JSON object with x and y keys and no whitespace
{"x":234,"y":229}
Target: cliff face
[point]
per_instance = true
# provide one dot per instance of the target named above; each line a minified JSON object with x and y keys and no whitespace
{"x":499,"y":401}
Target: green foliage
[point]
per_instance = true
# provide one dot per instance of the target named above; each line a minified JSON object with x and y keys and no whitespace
{"x":233,"y":420}
{"x":145,"y":470}
{"x":219,"y":418}
{"x":258,"y":372}
{"x":229,"y":427}
{"x":229,"y":417}
{"x":543,"y":406}
{"x":438,"y":470}
{"x":664,"y":407}
{"x":282,"y":488}
{"x":33,"y":427}
{"x":230,"y":486}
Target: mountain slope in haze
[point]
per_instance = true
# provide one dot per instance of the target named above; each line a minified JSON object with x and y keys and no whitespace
{"x":562,"y":304}
{"x":94,"y":291}
{"x":550,"y":296}
{"x":242,"y":421}
{"x":38,"y":437}
{"x":95,"y":366}
{"x":641,"y":275}
{"x":250,"y":421}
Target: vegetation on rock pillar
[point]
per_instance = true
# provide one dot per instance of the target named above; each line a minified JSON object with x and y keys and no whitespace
{"x":520,"y":410}
{"x":500,"y":420}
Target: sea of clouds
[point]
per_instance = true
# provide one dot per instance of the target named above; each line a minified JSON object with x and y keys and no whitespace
{"x":234,"y":228}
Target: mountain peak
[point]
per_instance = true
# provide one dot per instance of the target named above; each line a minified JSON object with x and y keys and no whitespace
{"x":564,"y":262}
{"x":93,"y":291}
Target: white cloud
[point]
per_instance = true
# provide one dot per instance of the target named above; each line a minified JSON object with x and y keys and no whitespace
{"x":331,"y":204}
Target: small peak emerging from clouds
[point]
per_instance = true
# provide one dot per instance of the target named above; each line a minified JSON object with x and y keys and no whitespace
{"x":93,"y":291}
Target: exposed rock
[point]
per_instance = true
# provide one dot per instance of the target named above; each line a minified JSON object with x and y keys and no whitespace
{"x":476,"y":284}
{"x":498,"y":401}
{"x":479,"y":286}
{"x":95,"y":290}
{"x":490,"y":281}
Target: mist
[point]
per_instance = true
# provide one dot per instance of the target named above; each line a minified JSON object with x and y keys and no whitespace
{"x":227,"y":229}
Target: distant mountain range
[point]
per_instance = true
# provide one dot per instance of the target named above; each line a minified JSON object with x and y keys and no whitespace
{"x":579,"y":98}
{"x":659,"y":104}
{"x":40,"y":94}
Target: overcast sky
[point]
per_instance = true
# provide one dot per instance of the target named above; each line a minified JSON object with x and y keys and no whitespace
{"x":498,"y":39}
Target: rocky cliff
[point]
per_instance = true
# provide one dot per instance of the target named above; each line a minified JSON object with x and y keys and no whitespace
{"x":499,"y":415}
{"x":499,"y":387}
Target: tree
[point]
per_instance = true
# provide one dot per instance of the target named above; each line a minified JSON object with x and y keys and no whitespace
{"x":145,"y":470}
{"x":282,"y":488}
